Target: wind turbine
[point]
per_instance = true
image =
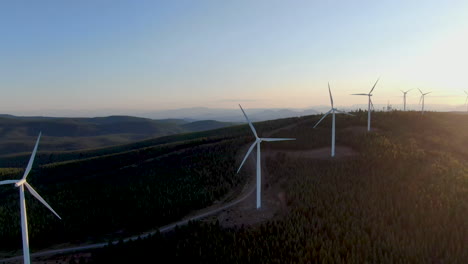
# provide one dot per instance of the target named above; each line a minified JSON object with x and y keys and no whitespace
{"x":257,"y":143}
{"x":404,"y":98}
{"x":21,"y":184}
{"x":466,"y":101}
{"x":332,"y":111}
{"x":369,"y":104}
{"x":423,"y":95}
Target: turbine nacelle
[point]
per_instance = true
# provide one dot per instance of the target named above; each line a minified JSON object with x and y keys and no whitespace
{"x":405,"y":92}
{"x":20,"y":182}
{"x":423,"y":94}
{"x":370,"y":93}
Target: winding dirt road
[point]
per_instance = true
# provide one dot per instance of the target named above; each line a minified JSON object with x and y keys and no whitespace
{"x":248,"y":190}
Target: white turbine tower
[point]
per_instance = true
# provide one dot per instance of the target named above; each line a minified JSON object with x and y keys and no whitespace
{"x":20,"y":184}
{"x":332,"y":111}
{"x":404,"y":98}
{"x":423,"y":95}
{"x":369,"y":104}
{"x":466,"y":101}
{"x":257,"y":143}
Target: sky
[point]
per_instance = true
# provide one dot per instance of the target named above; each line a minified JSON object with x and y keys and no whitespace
{"x":62,"y":56}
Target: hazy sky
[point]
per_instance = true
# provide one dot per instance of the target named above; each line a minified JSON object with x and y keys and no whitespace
{"x":170,"y":54}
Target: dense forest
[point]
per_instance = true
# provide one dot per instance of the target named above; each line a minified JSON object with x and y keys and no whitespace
{"x":122,"y":190}
{"x":402,"y":198}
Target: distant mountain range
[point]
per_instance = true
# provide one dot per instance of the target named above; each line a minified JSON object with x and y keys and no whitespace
{"x":233,"y":114}
{"x":229,"y":115}
{"x":17,"y":134}
{"x":190,"y":114}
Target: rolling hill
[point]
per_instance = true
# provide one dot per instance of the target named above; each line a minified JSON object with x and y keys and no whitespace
{"x":399,"y":195}
{"x":62,"y":134}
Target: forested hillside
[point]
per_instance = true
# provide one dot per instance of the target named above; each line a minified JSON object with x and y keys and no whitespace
{"x":61,"y":134}
{"x":403,"y":198}
{"x":107,"y":193}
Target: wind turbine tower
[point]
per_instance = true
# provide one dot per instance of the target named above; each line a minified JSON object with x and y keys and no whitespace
{"x":333,"y":110}
{"x":466,"y":101}
{"x":21,"y":184}
{"x":369,"y":105}
{"x":259,"y":168}
{"x":423,"y":95}
{"x":404,"y":98}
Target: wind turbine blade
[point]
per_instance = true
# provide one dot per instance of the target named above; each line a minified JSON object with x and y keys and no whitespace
{"x":31,"y":160}
{"x":331,"y":97}
{"x":277,"y":139}
{"x":325,"y":115}
{"x":8,"y":182}
{"x":361,"y":94}
{"x":35,"y":194}
{"x":250,"y":123}
{"x":420,"y":91}
{"x":373,"y":87}
{"x":247,"y":155}
{"x":372,"y":104}
{"x":343,"y":112}
{"x":409,"y":90}
{"x":427,"y":93}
